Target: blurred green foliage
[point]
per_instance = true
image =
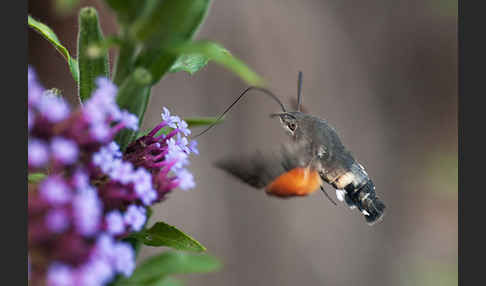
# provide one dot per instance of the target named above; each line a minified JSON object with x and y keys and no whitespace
{"x":442,"y":173}
{"x":445,"y":8}
{"x":65,"y":7}
{"x":427,"y":273}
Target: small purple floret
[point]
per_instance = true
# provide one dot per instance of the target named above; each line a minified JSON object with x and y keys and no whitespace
{"x":142,"y":182}
{"x":193,"y":147}
{"x":57,"y":220}
{"x":106,"y":157}
{"x":64,"y":150}
{"x":55,"y":190}
{"x":38,"y":153}
{"x":170,"y":120}
{"x":124,"y":258}
{"x":114,"y":223}
{"x":87,"y":211}
{"x":30,"y":119}
{"x":80,"y":179}
{"x":183,"y":127}
{"x":176,"y":154}
{"x":186,"y":180}
{"x":95,"y":272}
{"x":104,"y":247}
{"x":60,"y":274}
{"x":135,"y":217}
{"x":121,"y":171}
{"x":129,"y":120}
{"x":53,"y":108}
{"x":35,"y":90}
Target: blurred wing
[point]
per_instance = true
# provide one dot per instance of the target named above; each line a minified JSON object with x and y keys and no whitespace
{"x":286,"y":174}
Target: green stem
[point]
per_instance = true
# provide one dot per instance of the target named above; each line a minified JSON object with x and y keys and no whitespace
{"x":133,"y":96}
{"x":124,"y":62}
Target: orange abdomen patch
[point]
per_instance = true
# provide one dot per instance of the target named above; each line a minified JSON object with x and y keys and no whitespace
{"x":296,"y":182}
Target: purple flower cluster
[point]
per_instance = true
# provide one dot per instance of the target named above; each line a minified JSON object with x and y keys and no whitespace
{"x":165,"y":154}
{"x":94,"y":194}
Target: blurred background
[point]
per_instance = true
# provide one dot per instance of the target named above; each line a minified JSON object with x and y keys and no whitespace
{"x":383,"y":72}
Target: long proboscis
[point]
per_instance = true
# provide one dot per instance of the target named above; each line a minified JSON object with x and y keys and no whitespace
{"x":265,"y":91}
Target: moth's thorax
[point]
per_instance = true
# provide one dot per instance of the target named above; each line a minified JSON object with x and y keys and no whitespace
{"x":333,"y":161}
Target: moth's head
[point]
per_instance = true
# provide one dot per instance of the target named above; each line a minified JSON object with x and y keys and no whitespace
{"x":292,"y":122}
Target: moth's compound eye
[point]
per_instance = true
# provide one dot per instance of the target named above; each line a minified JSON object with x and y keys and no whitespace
{"x":292,"y":126}
{"x":289,"y":123}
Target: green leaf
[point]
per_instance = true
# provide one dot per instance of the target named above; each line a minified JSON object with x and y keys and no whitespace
{"x":133,"y":96}
{"x":162,"y":234}
{"x":50,"y":36}
{"x":201,"y":121}
{"x":189,"y":63}
{"x":160,"y":266}
{"x":92,"y":58}
{"x":35,"y":178}
{"x":169,"y":20}
{"x":220,"y":55}
{"x":160,"y":26}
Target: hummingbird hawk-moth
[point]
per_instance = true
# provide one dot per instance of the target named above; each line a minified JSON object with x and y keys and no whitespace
{"x":313,"y":155}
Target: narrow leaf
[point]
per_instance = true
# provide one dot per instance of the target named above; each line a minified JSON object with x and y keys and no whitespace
{"x":201,"y":121}
{"x":50,"y":36}
{"x":184,"y":18}
{"x":162,"y":234}
{"x":189,"y":63}
{"x":160,"y":266}
{"x":92,"y":58}
{"x":220,"y":55}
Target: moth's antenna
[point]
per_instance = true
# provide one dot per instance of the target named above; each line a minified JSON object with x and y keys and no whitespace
{"x":299,"y":91}
{"x":266,"y":91}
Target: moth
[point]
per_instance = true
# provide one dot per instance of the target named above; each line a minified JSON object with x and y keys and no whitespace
{"x":313,"y":155}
